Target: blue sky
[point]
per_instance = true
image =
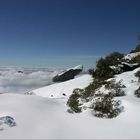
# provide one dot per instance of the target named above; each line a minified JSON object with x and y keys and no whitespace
{"x":63,"y":33}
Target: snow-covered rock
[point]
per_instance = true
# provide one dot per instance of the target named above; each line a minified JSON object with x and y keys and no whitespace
{"x":124,"y":67}
{"x":131,"y":55}
{"x":68,"y":74}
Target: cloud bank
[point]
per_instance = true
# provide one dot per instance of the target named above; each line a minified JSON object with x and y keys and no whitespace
{"x":21,"y":81}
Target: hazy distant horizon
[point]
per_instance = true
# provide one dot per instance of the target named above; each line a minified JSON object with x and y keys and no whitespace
{"x":59,"y":62}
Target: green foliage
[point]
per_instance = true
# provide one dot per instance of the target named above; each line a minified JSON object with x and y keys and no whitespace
{"x":102,"y":73}
{"x":114,"y":58}
{"x":137,"y":49}
{"x":106,"y":107}
{"x":78,"y":91}
{"x":115,"y":87}
{"x":135,"y":60}
{"x":91,"y":71}
{"x":91,"y":89}
{"x":137,"y":93}
{"x":103,"y":70}
{"x":73,"y":102}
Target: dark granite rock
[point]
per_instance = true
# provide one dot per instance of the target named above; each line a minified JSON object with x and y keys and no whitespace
{"x":68,"y":74}
{"x":129,"y":67}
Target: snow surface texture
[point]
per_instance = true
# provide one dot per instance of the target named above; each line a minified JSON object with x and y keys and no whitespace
{"x":38,"y":117}
{"x":62,"y":89}
{"x":24,"y":80}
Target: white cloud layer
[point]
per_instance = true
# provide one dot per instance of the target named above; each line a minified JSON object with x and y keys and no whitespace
{"x":13,"y":80}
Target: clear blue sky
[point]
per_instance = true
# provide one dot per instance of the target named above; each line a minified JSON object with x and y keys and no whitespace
{"x":66,"y":32}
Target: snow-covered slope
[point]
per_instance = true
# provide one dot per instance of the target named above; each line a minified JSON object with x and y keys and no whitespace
{"x":38,"y":117}
{"x":130,"y":81}
{"x":59,"y":90}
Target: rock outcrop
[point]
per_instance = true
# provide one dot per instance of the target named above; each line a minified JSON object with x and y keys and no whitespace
{"x":68,"y":74}
{"x":129,"y":67}
{"x":124,"y":67}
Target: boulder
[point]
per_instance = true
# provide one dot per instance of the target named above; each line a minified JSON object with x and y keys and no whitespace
{"x":68,"y":74}
{"x":20,"y":71}
{"x":129,"y":67}
{"x":124,"y":67}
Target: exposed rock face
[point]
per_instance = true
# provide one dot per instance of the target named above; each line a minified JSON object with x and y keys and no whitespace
{"x":124,"y":67}
{"x":68,"y":74}
{"x":129,"y":67}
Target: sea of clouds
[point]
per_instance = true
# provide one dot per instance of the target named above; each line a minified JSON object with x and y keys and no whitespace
{"x":21,"y":80}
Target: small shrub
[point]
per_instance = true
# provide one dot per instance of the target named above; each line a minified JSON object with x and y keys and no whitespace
{"x":29,"y":93}
{"x":116,"y":88}
{"x":137,"y":49}
{"x":137,"y":74}
{"x":73,"y":102}
{"x":135,"y":60}
{"x":106,"y":107}
{"x":137,"y":93}
{"x":78,"y":91}
{"x":102,"y":72}
{"x":91,"y":71}
{"x":70,"y":111}
{"x":103,"y":69}
{"x":91,"y":89}
{"x":118,"y":92}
